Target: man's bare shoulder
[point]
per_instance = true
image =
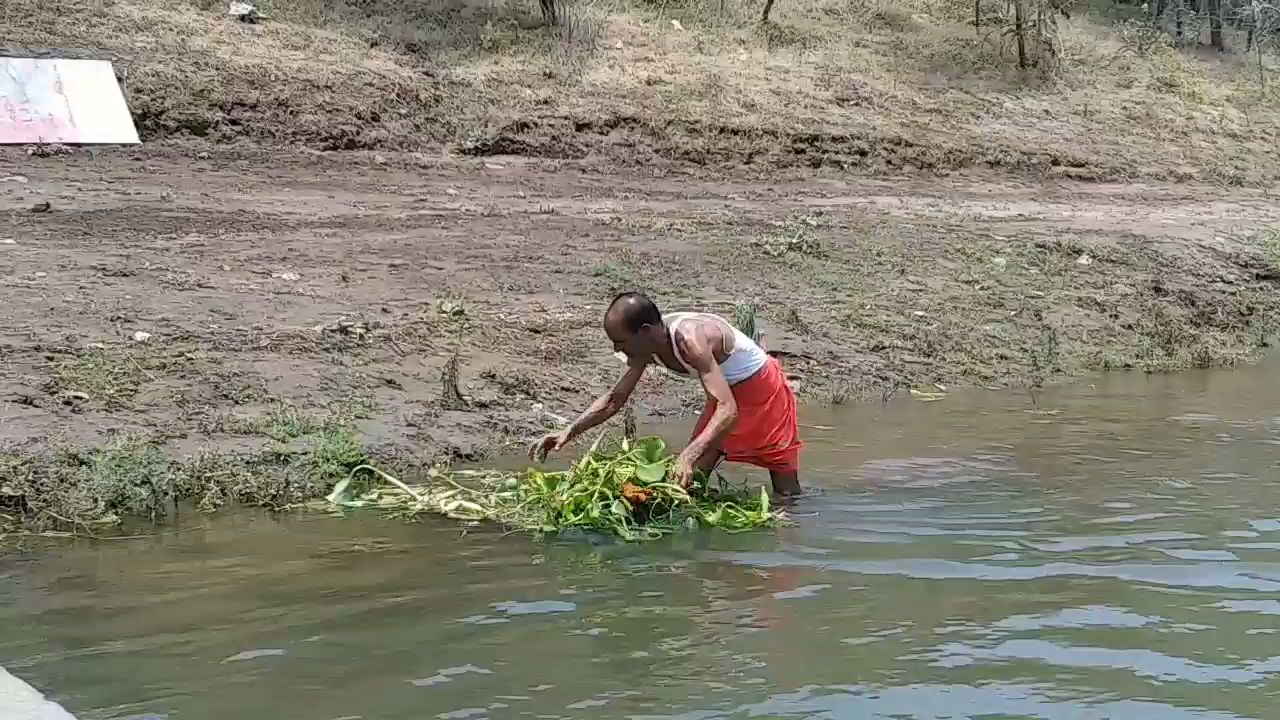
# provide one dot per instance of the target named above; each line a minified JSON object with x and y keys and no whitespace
{"x":704,"y":332}
{"x":694,"y":345}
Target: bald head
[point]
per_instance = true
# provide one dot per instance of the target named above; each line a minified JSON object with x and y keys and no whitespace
{"x":631,"y":311}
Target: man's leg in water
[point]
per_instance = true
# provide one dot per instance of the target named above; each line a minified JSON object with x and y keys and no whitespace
{"x":786,"y":483}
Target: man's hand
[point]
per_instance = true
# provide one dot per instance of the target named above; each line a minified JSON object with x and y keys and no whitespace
{"x":539,"y":449}
{"x":682,"y":470}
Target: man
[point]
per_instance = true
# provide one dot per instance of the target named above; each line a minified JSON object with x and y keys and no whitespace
{"x":750,"y":415}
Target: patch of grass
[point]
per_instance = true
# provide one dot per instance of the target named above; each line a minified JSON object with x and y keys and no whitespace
{"x":87,"y":490}
{"x":282,"y":423}
{"x":1169,"y":340}
{"x":1139,"y":37}
{"x":794,"y":237}
{"x":211,"y":480}
{"x":330,"y":455}
{"x":100,"y":376}
{"x":617,"y":275}
{"x":792,"y":321}
{"x":276,"y":480}
{"x":129,"y":476}
{"x":240,"y":392}
{"x":286,"y":423}
{"x":1267,"y":241}
{"x":1175,"y":74}
{"x":112,"y":376}
{"x":311,"y":452}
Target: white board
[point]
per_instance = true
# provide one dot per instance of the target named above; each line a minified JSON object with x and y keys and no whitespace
{"x":72,"y":102}
{"x":20,"y":701}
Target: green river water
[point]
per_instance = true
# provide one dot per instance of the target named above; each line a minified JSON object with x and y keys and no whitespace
{"x":1111,"y":551}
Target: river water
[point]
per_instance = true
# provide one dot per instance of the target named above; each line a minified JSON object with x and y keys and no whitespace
{"x":1110,"y":551}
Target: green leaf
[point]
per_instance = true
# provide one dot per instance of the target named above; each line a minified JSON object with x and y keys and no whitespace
{"x":652,"y":449}
{"x":651,"y":473}
{"x":343,"y":492}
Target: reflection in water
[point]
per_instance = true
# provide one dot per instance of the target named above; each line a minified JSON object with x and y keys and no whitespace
{"x":1109,"y":552}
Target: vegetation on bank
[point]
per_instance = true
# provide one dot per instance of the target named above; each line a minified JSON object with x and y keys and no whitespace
{"x":1092,"y":90}
{"x":97,"y":433}
{"x":91,"y":490}
{"x":1175,"y":90}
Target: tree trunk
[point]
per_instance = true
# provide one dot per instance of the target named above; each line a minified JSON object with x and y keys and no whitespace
{"x":1262,"y":70}
{"x":1215,"y":26}
{"x":977,"y":15}
{"x":550,"y":14}
{"x":768,"y":8}
{"x":1046,"y":37}
{"x":1020,"y":30}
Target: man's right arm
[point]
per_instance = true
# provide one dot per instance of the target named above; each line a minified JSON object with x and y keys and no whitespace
{"x":603,"y":408}
{"x":607,"y":405}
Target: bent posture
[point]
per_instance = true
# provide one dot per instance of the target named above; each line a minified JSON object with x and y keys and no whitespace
{"x":750,"y":415}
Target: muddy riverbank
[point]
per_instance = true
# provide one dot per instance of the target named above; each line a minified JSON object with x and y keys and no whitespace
{"x":230,"y":327}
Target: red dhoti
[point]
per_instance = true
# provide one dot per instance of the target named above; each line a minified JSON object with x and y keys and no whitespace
{"x":766,"y":434}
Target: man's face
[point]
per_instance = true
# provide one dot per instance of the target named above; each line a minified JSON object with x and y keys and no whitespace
{"x":632,"y":344}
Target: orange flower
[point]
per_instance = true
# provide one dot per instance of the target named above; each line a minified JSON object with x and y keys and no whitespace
{"x":635,"y":494}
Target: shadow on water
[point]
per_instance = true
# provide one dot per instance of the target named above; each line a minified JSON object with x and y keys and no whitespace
{"x":1110,"y":551}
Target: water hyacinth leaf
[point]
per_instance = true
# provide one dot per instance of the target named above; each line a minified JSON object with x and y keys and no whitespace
{"x":651,"y":449}
{"x":343,"y":492}
{"x":651,"y":473}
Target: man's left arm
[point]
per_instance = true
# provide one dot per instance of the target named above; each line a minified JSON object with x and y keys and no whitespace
{"x":699,"y":357}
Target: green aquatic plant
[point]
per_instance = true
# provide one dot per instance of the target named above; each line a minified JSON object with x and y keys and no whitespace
{"x":744,"y":318}
{"x":618,"y":487}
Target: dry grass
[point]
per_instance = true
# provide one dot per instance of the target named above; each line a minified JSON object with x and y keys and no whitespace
{"x":859,"y":83}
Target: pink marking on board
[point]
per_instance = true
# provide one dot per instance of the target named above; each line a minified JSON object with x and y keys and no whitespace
{"x":19,"y":124}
